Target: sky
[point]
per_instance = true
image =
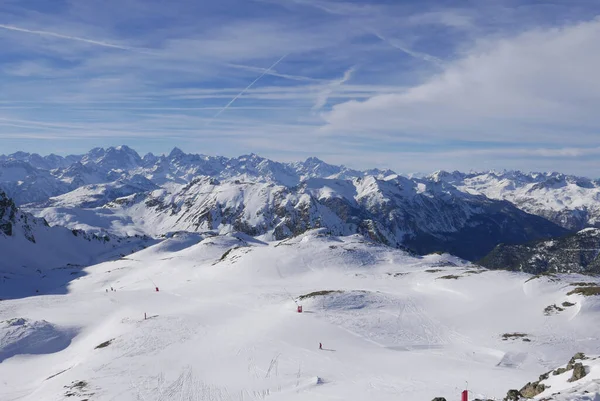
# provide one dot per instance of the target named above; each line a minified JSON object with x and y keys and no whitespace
{"x":414,"y":86}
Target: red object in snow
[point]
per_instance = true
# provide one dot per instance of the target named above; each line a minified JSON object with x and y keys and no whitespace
{"x":465,"y":395}
{"x":156,"y":289}
{"x":299,"y":308}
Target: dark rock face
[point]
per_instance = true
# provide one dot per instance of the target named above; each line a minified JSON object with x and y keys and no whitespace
{"x":11,"y":218}
{"x":573,"y":253}
{"x":513,"y":395}
{"x":530,"y":390}
{"x":439,"y":399}
{"x":8,"y":212}
{"x":578,"y":372}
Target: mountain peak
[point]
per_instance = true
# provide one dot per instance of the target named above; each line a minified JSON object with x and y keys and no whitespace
{"x":176,"y":152}
{"x":313,"y":160}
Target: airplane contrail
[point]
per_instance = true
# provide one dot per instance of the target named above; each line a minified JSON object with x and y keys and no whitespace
{"x":265,"y":72}
{"x":75,"y":38}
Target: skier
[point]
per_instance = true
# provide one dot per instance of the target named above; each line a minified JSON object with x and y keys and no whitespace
{"x":156,"y":289}
{"x":320,"y":346}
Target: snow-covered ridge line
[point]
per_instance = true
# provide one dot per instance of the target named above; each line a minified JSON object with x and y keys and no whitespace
{"x":567,"y":200}
{"x":54,"y":175}
{"x":572,"y":202}
{"x":423,"y":216}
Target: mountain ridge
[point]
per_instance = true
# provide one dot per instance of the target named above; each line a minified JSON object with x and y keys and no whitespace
{"x":115,"y":190}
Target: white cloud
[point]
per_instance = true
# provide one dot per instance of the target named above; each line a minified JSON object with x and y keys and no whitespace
{"x":537,"y":86}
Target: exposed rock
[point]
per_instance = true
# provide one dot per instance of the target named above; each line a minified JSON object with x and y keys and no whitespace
{"x":530,"y":390}
{"x":513,"y":395}
{"x":560,"y":371}
{"x":578,"y":372}
{"x":439,"y":399}
{"x":572,"y":253}
{"x":514,"y":336}
{"x":552,"y":310}
{"x":578,"y":356}
{"x":586,"y":291}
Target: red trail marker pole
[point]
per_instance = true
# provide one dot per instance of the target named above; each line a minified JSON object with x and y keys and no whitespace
{"x":465,"y":395}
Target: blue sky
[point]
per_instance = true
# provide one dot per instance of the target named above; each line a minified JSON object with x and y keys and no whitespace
{"x":409,"y":85}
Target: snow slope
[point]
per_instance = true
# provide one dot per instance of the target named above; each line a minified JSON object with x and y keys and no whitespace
{"x":31,"y":251}
{"x":224,"y":325}
{"x":570,"y":201}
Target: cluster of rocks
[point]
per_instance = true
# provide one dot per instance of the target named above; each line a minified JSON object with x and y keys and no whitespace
{"x":532,"y":389}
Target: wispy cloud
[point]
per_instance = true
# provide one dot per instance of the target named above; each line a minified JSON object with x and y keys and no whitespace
{"x":236,"y":97}
{"x":331,"y":88}
{"x":523,"y":88}
{"x":75,"y":38}
{"x":418,"y":55}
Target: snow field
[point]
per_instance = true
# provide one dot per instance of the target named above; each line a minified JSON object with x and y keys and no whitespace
{"x":224,"y":327}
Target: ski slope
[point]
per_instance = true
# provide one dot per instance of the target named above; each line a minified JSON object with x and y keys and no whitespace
{"x":224,"y":326}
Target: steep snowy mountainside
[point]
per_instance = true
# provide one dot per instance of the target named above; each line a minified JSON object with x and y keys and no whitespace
{"x":579,"y":252}
{"x":570,"y":201}
{"x":97,"y":195}
{"x":224,"y":326}
{"x":24,"y":183}
{"x":29,"y":247}
{"x":423,"y":216}
{"x":113,"y":158}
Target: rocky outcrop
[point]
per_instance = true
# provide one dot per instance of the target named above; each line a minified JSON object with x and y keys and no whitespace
{"x":513,"y":395}
{"x":530,"y":390}
{"x":579,"y":372}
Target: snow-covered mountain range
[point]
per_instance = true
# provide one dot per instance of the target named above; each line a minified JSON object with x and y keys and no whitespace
{"x":29,"y":178}
{"x":115,"y":190}
{"x":569,"y":201}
